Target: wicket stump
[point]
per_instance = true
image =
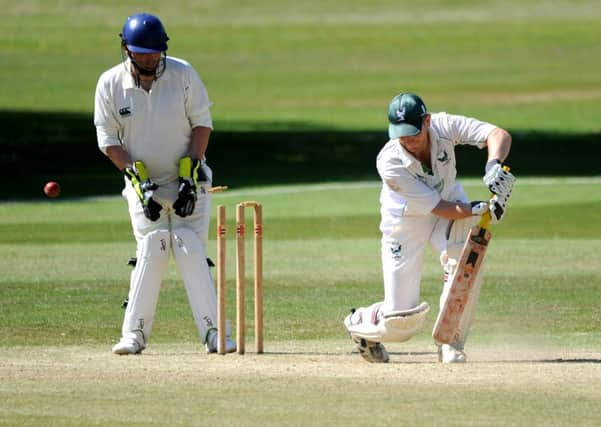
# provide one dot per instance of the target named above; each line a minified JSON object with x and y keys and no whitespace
{"x":240,"y":276}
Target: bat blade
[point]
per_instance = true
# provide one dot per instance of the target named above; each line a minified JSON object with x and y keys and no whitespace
{"x":446,"y":329}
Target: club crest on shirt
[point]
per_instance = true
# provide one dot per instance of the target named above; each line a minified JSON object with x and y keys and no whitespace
{"x":443,"y":157}
{"x":125,"y":111}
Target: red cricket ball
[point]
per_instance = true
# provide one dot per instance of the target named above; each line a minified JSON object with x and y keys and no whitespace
{"x":52,"y":189}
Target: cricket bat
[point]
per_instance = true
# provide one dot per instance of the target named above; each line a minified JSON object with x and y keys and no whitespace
{"x":446,"y":329}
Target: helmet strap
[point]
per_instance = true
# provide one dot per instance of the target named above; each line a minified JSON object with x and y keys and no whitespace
{"x":140,"y":70}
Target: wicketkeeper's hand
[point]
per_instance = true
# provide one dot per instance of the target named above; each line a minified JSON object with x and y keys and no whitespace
{"x":498,"y":179}
{"x":190,"y":175}
{"x":145,"y":188}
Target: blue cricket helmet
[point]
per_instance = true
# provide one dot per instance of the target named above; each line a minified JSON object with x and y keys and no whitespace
{"x":144,"y":33}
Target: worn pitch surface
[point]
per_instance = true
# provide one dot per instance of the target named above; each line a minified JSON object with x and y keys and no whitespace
{"x":292,"y":382}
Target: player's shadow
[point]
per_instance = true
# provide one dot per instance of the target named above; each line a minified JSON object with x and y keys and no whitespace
{"x":576,"y":360}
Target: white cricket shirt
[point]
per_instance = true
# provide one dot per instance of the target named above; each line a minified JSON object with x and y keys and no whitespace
{"x":154,"y":127}
{"x":410,"y":190}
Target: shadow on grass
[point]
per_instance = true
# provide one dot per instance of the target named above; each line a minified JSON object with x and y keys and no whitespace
{"x":40,"y":146}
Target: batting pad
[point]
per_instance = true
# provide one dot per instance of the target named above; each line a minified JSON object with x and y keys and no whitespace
{"x":190,"y":258}
{"x":145,"y":282}
{"x":398,"y":326}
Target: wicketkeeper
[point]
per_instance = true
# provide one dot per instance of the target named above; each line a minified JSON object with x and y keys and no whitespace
{"x":422,"y":203}
{"x":152,"y":120}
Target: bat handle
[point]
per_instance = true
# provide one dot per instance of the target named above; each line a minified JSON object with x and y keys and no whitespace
{"x":485,"y":220}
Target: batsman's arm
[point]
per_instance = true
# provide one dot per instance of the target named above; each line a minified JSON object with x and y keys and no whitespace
{"x":499,"y":144}
{"x":458,"y":210}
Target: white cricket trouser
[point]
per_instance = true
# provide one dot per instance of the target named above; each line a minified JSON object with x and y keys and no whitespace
{"x":189,"y":247}
{"x":402,"y":254}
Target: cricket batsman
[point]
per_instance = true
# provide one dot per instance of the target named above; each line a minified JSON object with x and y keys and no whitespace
{"x":421,"y":203}
{"x":152,"y":120}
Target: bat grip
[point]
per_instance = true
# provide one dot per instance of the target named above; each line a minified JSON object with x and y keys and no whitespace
{"x":485,"y":220}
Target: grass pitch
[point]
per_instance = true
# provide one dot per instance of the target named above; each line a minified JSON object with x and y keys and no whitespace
{"x":533,"y":353}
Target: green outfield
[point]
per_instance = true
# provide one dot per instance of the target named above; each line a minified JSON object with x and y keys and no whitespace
{"x":303,"y":69}
{"x":527,"y":64}
{"x":534,"y":348}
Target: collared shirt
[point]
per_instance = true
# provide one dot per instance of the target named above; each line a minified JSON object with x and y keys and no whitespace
{"x":155,"y":126}
{"x":409,"y":189}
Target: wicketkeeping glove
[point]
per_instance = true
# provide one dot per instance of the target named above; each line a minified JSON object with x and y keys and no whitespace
{"x":190,"y":174}
{"x":498,"y":179}
{"x":145,"y":188}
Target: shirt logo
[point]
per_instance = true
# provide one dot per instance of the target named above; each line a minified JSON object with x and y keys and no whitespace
{"x":443,"y":157}
{"x":125,"y":111}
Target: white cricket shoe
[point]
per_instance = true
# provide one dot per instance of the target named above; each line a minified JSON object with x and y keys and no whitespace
{"x":128,"y":345}
{"x":211,"y":345}
{"x":373,"y":352}
{"x":449,"y":354}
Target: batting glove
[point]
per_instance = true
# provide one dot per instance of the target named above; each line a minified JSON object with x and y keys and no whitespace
{"x":497,"y":206}
{"x":145,"y":188}
{"x":479,"y":207}
{"x":498,"y":179}
{"x":190,"y":174}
